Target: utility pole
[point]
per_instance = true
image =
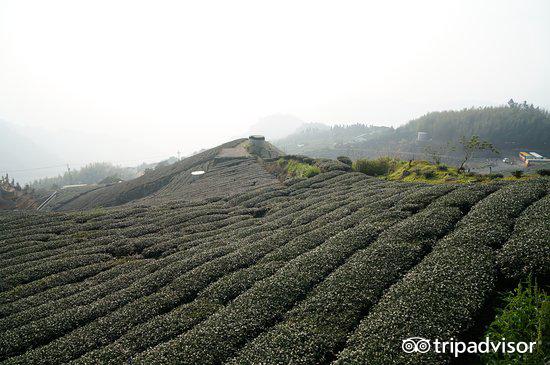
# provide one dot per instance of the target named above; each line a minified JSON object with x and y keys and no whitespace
{"x":179,"y":158}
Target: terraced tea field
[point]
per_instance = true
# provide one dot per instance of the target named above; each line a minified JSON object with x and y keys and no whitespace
{"x":337,"y":268}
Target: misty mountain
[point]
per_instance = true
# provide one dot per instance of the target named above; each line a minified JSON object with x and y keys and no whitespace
{"x":24,"y":159}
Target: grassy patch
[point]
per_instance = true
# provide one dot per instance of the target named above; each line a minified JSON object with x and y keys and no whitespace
{"x":298,"y":169}
{"x":525,"y":317}
{"x":424,"y":171}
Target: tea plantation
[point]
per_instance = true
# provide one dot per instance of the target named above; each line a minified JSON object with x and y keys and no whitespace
{"x":337,"y":268}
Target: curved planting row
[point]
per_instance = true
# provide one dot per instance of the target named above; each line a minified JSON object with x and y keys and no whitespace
{"x":320,"y":325}
{"x":528,"y":250}
{"x":441,"y":296}
{"x":220,"y":336}
{"x":308,"y":272}
{"x":102,"y":306}
{"x":315,"y":264}
{"x":104,"y":272}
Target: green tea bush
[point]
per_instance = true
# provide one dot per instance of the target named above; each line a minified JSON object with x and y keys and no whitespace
{"x":325,"y":165}
{"x":278,"y":274}
{"x":35,"y":272}
{"x":528,"y":250}
{"x":517,"y":174}
{"x":503,"y":206}
{"x":437,"y":300}
{"x":259,"y":306}
{"x":321,"y":323}
{"x":428,"y":174}
{"x":171,"y":324}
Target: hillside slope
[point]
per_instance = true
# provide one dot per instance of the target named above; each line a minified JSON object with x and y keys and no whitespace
{"x":340,"y":267}
{"x":225,"y":176}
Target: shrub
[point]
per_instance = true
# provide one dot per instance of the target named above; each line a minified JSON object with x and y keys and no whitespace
{"x":378,"y":167}
{"x":506,"y":204}
{"x":524,"y":318}
{"x":543,"y":172}
{"x":528,"y":251}
{"x":442,"y":167}
{"x":495,"y":176}
{"x":344,"y":159}
{"x":428,"y":174}
{"x":517,"y":174}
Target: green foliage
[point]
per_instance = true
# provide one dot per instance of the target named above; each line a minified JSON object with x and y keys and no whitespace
{"x":281,"y":274}
{"x":299,"y":169}
{"x":505,"y":126}
{"x":377,"y":167}
{"x":528,"y":251}
{"x":429,"y":174}
{"x":520,"y":124}
{"x":517,"y":174}
{"x":89,"y":174}
{"x":526,"y":318}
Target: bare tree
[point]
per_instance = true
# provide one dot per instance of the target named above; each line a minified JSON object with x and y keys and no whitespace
{"x":471,"y":145}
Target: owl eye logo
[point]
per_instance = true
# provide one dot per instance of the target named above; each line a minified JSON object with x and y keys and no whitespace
{"x":416,"y":344}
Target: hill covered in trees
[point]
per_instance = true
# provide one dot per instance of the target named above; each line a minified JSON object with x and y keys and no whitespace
{"x":89,"y":174}
{"x":510,"y":128}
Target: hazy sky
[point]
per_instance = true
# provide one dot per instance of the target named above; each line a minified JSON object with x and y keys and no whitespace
{"x":189,"y":74}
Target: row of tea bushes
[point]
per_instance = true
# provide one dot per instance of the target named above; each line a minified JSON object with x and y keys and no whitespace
{"x":240,"y":254}
{"x":528,"y":250}
{"x":219,"y":337}
{"x":37,"y":272}
{"x":320,"y":324}
{"x":85,"y":294}
{"x":164,"y":327}
{"x":103,"y":272}
{"x":436,"y":300}
{"x":459,"y":275}
{"x":53,"y":281}
{"x":506,"y":204}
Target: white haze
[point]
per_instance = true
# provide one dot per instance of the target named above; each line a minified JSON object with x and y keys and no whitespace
{"x":141,"y":79}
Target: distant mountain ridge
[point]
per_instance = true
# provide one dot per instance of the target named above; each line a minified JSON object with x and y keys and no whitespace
{"x":510,"y":128}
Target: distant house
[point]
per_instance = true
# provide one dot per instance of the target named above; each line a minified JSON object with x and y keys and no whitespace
{"x":533,"y":158}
